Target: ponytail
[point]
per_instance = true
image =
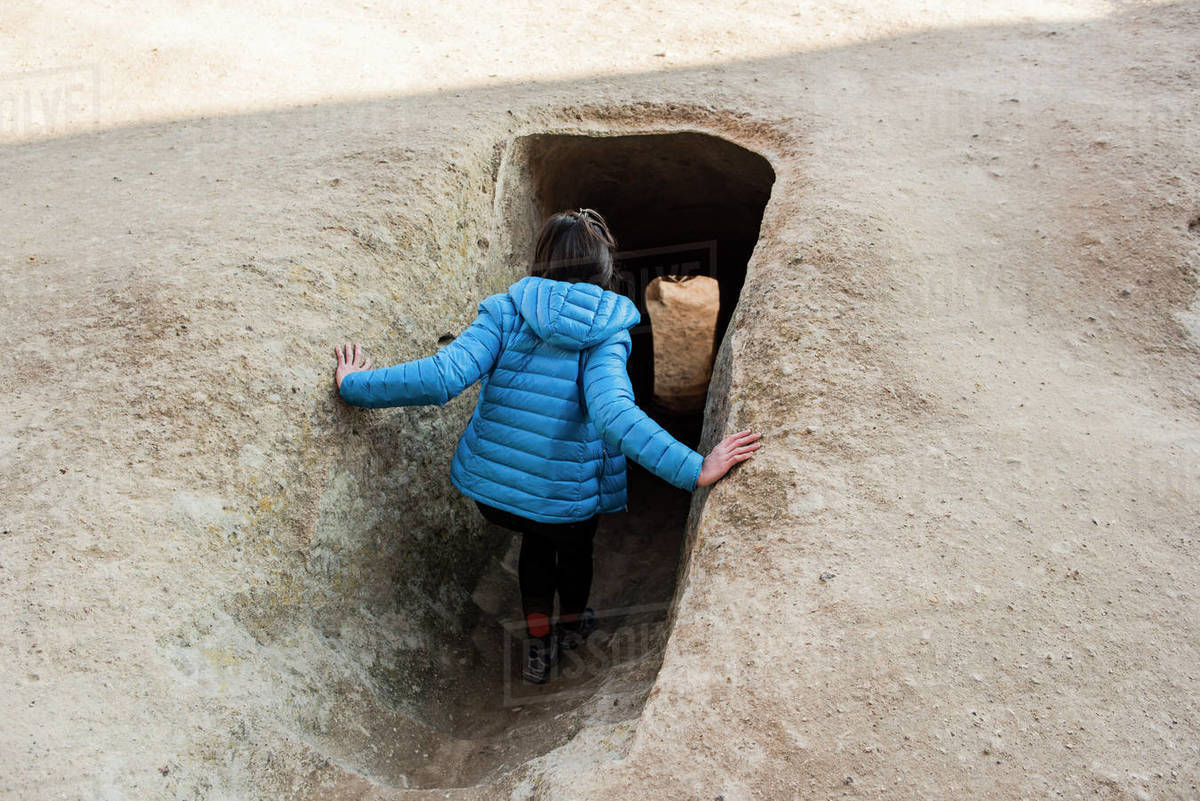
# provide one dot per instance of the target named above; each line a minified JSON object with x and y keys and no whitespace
{"x":576,"y":246}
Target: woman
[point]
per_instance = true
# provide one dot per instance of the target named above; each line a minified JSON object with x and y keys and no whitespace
{"x":544,"y":452}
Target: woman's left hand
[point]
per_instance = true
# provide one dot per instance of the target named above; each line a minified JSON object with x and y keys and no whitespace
{"x":733,"y":450}
{"x":348,"y":362}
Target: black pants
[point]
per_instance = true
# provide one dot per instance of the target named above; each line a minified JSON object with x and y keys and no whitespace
{"x":554,"y":557}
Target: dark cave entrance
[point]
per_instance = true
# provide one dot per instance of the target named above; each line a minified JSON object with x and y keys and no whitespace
{"x":680,"y":204}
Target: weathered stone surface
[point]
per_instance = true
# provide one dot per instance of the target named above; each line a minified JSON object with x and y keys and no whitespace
{"x":217,"y":581}
{"x":685,"y":316}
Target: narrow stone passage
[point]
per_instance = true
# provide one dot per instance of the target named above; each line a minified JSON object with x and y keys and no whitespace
{"x":497,"y":722}
{"x":682,"y":206}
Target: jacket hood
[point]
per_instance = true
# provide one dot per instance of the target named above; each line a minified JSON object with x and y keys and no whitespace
{"x":570,"y":315}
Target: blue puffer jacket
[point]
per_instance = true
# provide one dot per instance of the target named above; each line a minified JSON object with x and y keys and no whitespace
{"x":555,"y":417}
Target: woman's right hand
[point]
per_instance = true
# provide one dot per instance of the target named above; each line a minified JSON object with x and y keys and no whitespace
{"x":730,"y":451}
{"x":349,"y":361}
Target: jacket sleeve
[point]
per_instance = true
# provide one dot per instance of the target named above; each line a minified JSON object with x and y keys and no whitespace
{"x":433,"y":379}
{"x":623,"y":425}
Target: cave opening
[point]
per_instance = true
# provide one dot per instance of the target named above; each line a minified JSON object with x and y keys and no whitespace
{"x":685,"y":209}
{"x":680,"y":204}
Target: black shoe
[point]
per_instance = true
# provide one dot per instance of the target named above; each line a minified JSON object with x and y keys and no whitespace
{"x":572,"y":635}
{"x":540,"y":655}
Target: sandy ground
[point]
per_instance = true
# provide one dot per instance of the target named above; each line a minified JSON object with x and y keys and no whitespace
{"x":129,"y":62}
{"x":969,"y":334}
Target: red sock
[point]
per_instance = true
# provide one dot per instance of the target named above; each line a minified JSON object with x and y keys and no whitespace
{"x":538,"y":624}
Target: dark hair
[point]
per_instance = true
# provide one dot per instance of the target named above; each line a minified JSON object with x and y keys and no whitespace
{"x":576,"y":246}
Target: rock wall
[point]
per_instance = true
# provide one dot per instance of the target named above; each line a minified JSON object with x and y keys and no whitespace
{"x":684,"y":315}
{"x":963,"y":564}
{"x":271,"y":565}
